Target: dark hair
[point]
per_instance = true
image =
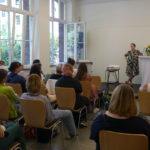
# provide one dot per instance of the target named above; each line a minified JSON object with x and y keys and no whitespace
{"x":82,"y":70}
{"x":14,"y":65}
{"x":133,"y":44}
{"x":36,"y":69}
{"x":3,"y":75}
{"x":36,"y":61}
{"x":71,"y":61}
{"x":2,"y":62}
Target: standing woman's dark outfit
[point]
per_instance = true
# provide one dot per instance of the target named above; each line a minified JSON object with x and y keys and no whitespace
{"x":132,"y":69}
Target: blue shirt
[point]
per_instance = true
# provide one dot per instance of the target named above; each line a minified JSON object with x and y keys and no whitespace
{"x":134,"y":125}
{"x":15,"y":78}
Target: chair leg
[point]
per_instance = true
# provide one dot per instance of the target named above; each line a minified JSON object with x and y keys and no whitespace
{"x":79,"y":119}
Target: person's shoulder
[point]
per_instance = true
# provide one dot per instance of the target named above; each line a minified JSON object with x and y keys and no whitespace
{"x":139,"y":120}
{"x":24,"y":95}
{"x":8,"y":88}
{"x":99,"y":117}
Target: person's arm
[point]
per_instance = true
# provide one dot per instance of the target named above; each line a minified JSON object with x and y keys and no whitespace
{"x":78,"y":87}
{"x":14,"y":96}
{"x":126,"y":56}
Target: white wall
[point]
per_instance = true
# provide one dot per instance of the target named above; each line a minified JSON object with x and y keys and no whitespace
{"x":111,"y":27}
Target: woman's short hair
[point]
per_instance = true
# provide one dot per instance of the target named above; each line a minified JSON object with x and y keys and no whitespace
{"x":71,"y":61}
{"x":3,"y":75}
{"x":59,"y":68}
{"x":33,"y":84}
{"x":36,"y":69}
{"x":36,"y":61}
{"x":133,"y":44}
{"x":14,"y":65}
{"x":123,"y":101}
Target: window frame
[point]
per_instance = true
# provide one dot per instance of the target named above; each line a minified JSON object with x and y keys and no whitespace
{"x":11,"y":40}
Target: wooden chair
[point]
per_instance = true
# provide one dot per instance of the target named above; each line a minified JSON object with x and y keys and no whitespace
{"x":122,"y":141}
{"x":86,"y":89}
{"x":5,"y":109}
{"x":15,"y":146}
{"x":16,"y":87}
{"x":96,"y":80}
{"x":144,"y":101}
{"x":36,"y":117}
{"x":66,"y":99}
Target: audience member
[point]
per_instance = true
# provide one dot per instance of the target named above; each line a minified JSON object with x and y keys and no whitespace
{"x":2,"y":65}
{"x":58,"y":73}
{"x":67,"y":81}
{"x":10,"y":134}
{"x":14,"y":77}
{"x":9,"y":92}
{"x":82,"y":75}
{"x":72,"y":62}
{"x":122,"y":116}
{"x":33,"y":87}
{"x":145,"y":87}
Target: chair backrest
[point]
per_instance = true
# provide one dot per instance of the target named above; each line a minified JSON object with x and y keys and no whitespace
{"x":96,"y":80}
{"x":86,"y":89}
{"x":122,"y":141}
{"x":66,"y":97}
{"x":16,"y":87}
{"x":50,"y":85}
{"x":34,"y":112}
{"x":144,"y":101}
{"x":4,"y":108}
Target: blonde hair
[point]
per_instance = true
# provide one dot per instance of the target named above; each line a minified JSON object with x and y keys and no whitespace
{"x":123,"y":101}
{"x":34,"y":84}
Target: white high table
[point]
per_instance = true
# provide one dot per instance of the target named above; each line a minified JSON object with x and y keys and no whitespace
{"x":144,"y":66}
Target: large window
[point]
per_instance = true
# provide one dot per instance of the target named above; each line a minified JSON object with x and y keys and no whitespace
{"x":16,"y":31}
{"x":57,"y":20}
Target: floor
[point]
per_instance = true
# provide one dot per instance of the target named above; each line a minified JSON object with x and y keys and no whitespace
{"x":81,"y":142}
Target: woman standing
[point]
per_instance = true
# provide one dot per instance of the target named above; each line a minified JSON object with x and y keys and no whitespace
{"x":131,"y":57}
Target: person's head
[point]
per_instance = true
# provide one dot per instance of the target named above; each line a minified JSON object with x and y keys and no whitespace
{"x":36,"y":69}
{"x":67,"y":70}
{"x":123,"y":102}
{"x":33,"y":84}
{"x":15,"y":67}
{"x":59,"y":69}
{"x":3,"y":76}
{"x":71,"y":61}
{"x":2,"y":63}
{"x":82,"y":71}
{"x":133,"y":46}
{"x":36,"y":61}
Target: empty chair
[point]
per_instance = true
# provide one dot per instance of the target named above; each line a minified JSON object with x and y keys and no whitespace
{"x":37,"y":117}
{"x":16,"y":87}
{"x":144,"y":101}
{"x":122,"y":141}
{"x":66,"y":99}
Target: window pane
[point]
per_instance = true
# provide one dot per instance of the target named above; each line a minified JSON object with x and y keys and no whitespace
{"x":29,"y":28}
{"x":3,"y":25}
{"x":70,"y":40}
{"x":28,"y":49}
{"x":56,"y":9}
{"x":61,"y":42}
{"x":26,"y":5}
{"x":15,"y":3}
{"x":50,"y":8}
{"x":17,"y":51}
{"x":62,"y":10}
{"x":3,"y":2}
{"x":4,"y":51}
{"x":18,"y":27}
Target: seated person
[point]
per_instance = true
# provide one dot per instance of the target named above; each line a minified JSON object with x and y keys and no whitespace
{"x":146,"y":87}
{"x":58,"y":73}
{"x":9,"y":92}
{"x":14,"y":77}
{"x":2,"y":65}
{"x":37,"y":61}
{"x":82,"y":75}
{"x":33,"y":87}
{"x":36,"y":69}
{"x":10,"y":134}
{"x":122,"y":116}
{"x":69,"y":82}
{"x":72,"y":62}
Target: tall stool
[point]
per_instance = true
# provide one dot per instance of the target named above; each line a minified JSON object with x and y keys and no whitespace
{"x":111,"y":71}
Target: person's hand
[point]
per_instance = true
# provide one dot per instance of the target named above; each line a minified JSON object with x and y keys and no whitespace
{"x":2,"y":131}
